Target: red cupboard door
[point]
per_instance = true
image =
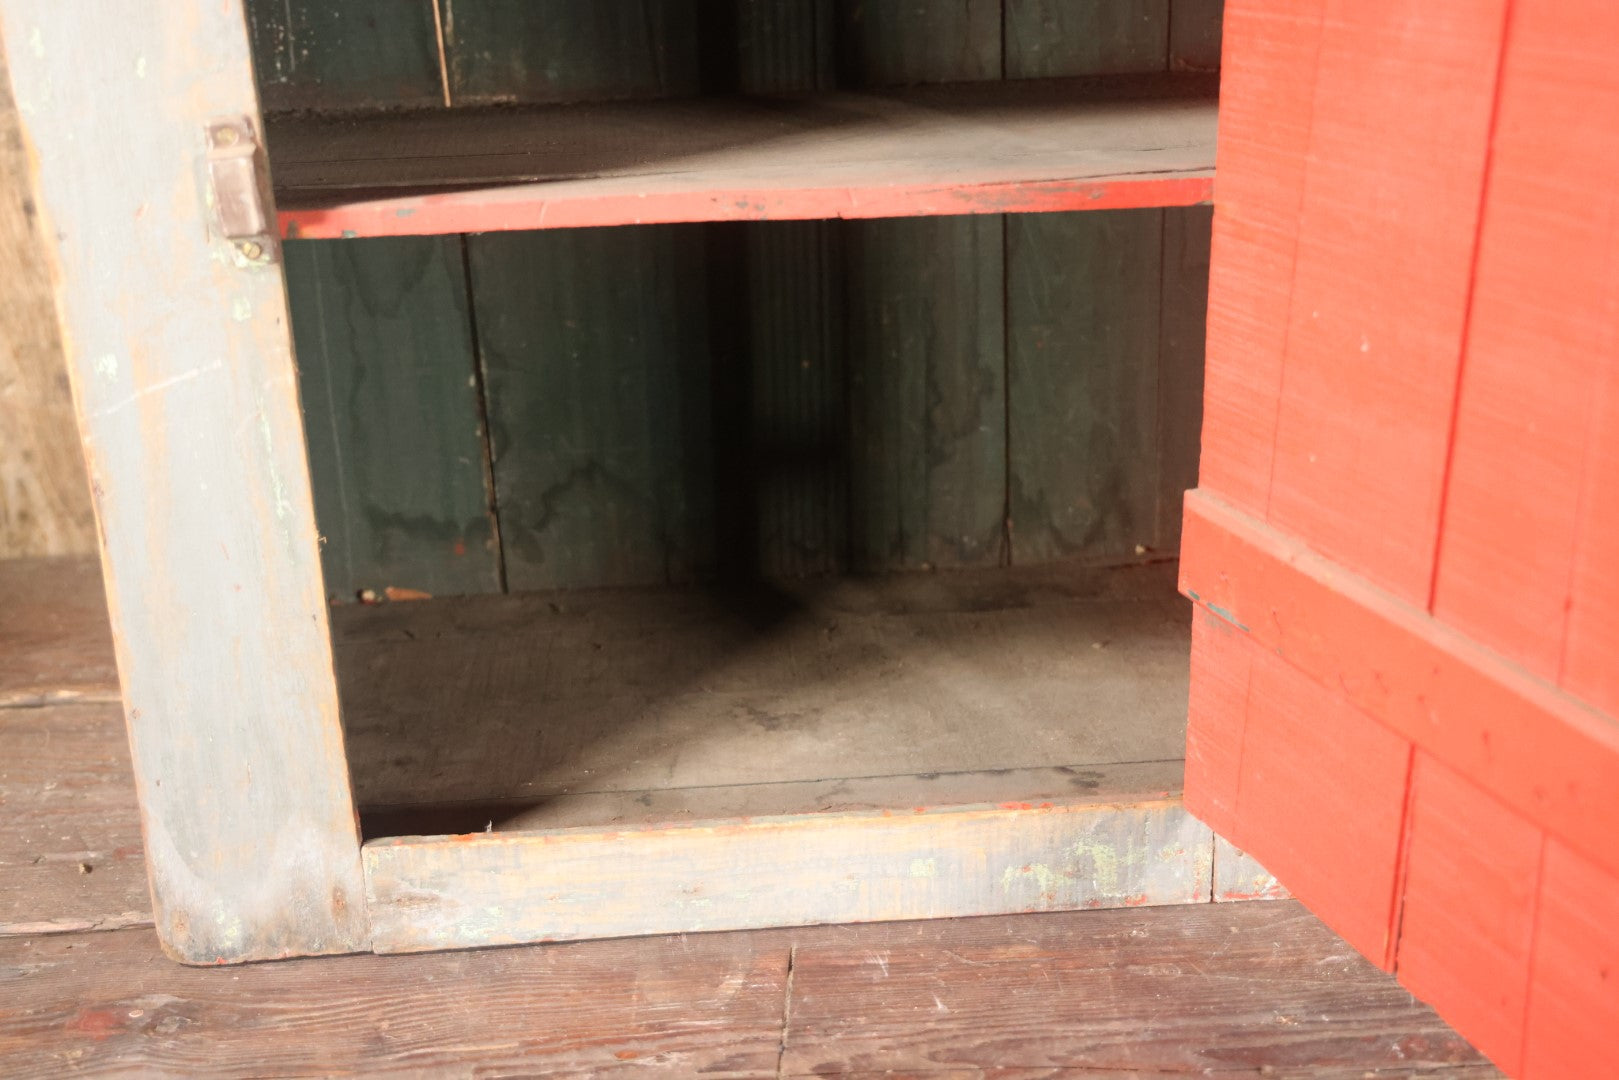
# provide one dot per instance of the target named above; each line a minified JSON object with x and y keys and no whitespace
{"x":1404,"y":555}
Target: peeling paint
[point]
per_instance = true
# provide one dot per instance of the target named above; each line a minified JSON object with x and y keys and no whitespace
{"x":107,"y":367}
{"x":241,"y":309}
{"x":1104,"y":862}
{"x":924,"y":868}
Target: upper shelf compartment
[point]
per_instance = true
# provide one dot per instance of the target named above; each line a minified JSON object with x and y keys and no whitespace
{"x":968,"y":148}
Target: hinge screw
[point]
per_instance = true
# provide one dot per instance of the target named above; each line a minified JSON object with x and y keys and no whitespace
{"x":226,"y":136}
{"x":251,"y":249}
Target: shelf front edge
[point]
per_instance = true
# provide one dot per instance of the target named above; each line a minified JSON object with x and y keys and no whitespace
{"x":536,"y":206}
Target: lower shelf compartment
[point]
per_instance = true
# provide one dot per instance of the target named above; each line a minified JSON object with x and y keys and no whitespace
{"x":614,"y":762}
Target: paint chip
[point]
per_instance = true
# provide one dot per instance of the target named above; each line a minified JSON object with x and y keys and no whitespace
{"x":107,"y":367}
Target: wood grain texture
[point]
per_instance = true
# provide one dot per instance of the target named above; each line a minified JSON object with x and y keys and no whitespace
{"x":1548,"y":306}
{"x":1268,"y":75}
{"x":1058,"y":1000}
{"x":1547,"y":755}
{"x":1287,"y":815}
{"x":1238,"y":876}
{"x":391,"y":405}
{"x":1182,"y":346}
{"x":70,"y":840}
{"x":980,"y":148}
{"x":187,"y":398}
{"x":1276,"y":989}
{"x":1467,"y":917}
{"x":503,"y":51}
{"x":351,"y":55}
{"x":1195,"y":34}
{"x":599,"y":382}
{"x":44,"y":494}
{"x":927,"y":389}
{"x":1389,"y":219}
{"x":55,"y":645}
{"x":110,"y":1004}
{"x":1217,"y":717}
{"x":1527,"y":471}
{"x":780,"y":394}
{"x":448,"y":892}
{"x":1083,"y":307}
{"x":885,"y":44}
{"x":1057,"y":37}
{"x":1573,"y":1019}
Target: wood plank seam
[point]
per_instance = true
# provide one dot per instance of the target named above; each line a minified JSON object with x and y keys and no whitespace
{"x":1391,"y":958}
{"x":1598,"y":403}
{"x":1405,"y":669}
{"x":1534,"y":941}
{"x":1467,"y":320}
{"x":1292,"y":289}
{"x":486,"y":438}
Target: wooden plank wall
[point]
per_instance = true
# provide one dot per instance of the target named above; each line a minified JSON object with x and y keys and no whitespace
{"x":782,"y":399}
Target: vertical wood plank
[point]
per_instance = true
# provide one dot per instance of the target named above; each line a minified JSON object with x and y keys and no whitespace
{"x":1468,"y":908}
{"x":1217,"y":716}
{"x":594,"y":341}
{"x":927,"y":393}
{"x":571,"y":50}
{"x":188,"y":403}
{"x":1335,"y":843}
{"x":358,"y":54}
{"x":927,"y":455}
{"x":1195,"y":34}
{"x":885,"y":44}
{"x":1574,"y":987}
{"x":1526,"y":457}
{"x":786,"y":46}
{"x":782,"y":471}
{"x":1182,"y":344}
{"x":1592,"y":639}
{"x":790,"y":474}
{"x":1083,"y":326}
{"x":391,"y":414}
{"x":1267,"y":77}
{"x":1401,"y":126}
{"x":1046,"y":38}
{"x":1084,"y":306}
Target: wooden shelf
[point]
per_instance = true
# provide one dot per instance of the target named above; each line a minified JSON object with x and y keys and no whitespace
{"x":1012,"y":147}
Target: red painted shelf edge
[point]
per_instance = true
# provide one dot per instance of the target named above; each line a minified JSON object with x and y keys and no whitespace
{"x":1484,"y":716}
{"x":527,"y":206}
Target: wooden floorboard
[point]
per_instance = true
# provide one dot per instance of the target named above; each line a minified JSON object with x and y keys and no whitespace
{"x":1222,"y":990}
{"x":55,"y":645}
{"x":70,"y":842}
{"x":1206,"y":990}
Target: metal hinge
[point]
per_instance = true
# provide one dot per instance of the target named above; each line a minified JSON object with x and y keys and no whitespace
{"x":238,"y":184}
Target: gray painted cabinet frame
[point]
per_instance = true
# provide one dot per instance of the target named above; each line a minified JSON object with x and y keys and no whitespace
{"x":183,"y":379}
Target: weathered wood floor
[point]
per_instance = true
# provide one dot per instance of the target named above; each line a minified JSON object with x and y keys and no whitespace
{"x":1222,"y":990}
